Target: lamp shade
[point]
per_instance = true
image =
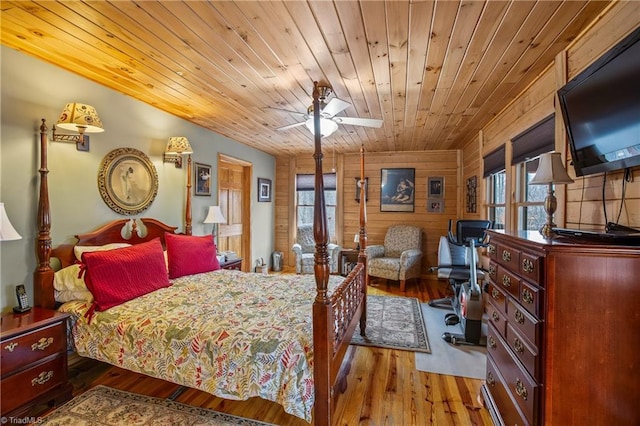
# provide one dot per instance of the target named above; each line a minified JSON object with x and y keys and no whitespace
{"x":178,"y":145}
{"x":7,"y":231}
{"x":550,"y":170}
{"x":80,"y":117}
{"x":214,"y":215}
{"x":327,"y":127}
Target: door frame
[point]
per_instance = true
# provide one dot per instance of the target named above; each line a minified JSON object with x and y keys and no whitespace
{"x":247,"y":176}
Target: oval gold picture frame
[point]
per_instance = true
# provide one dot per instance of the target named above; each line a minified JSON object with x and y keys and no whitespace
{"x":127,"y":181}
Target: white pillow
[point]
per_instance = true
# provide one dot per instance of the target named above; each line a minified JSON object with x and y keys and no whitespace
{"x":68,"y":286}
{"x":78,"y":250}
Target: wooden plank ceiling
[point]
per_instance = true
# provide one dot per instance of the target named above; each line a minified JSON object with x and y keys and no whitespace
{"x":434,"y":71}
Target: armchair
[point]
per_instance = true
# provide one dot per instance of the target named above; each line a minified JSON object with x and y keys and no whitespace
{"x":400,"y":256}
{"x":304,"y":250}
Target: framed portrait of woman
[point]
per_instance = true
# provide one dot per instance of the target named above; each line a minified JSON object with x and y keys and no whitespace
{"x":397,"y":190}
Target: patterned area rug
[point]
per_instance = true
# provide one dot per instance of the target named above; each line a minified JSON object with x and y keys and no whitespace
{"x":394,"y":322}
{"x":103,"y":405}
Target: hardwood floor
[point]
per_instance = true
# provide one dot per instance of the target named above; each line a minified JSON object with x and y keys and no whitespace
{"x":384,"y":388}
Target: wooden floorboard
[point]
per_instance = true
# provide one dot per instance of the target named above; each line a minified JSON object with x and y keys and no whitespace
{"x":384,"y":388}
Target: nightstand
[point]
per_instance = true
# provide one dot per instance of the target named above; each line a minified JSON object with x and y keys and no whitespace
{"x":347,"y":259}
{"x":34,"y":361}
{"x":232,"y":264}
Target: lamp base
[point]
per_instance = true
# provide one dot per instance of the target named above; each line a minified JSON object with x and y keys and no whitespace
{"x":547,"y":231}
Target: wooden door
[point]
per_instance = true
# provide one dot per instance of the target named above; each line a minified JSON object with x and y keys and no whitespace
{"x":232,"y":195}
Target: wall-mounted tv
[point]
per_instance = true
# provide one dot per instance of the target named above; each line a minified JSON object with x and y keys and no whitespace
{"x":601,"y":110}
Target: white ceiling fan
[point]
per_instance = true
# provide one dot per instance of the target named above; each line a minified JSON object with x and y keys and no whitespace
{"x":328,"y":120}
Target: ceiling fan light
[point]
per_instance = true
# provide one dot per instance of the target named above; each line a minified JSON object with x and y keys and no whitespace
{"x":327,"y":127}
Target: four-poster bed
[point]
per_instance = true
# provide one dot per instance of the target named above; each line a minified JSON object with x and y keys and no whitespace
{"x":335,"y":306}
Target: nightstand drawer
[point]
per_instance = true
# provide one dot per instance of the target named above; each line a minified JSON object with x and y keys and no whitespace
{"x":24,"y":349}
{"x":30,"y":383}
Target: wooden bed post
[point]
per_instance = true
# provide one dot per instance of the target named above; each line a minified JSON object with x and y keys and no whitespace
{"x":362,"y":257}
{"x":323,"y":329}
{"x":187,"y":212}
{"x":43,"y":275}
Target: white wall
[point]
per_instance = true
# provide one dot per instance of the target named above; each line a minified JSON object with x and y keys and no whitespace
{"x":32,"y":90}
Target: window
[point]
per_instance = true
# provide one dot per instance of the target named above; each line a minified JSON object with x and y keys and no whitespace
{"x":527,"y":147}
{"x":494,"y":172}
{"x":305,"y":192}
{"x":530,"y":198}
{"x":496,"y":206}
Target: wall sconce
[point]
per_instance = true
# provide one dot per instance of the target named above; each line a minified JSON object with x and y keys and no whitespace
{"x":7,"y":231}
{"x":357,"y":241}
{"x":176,"y":147}
{"x":550,"y":171}
{"x":215,"y":216}
{"x":82,"y":118}
{"x":359,"y":191}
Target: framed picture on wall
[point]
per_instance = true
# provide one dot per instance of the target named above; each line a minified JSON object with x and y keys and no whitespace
{"x":435,"y":205}
{"x":397,"y":190}
{"x":435,"y":187}
{"x":203,"y":179}
{"x":264,"y":190}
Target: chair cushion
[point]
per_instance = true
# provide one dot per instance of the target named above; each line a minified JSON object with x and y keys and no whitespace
{"x":400,"y":238}
{"x":305,"y":238}
{"x":384,"y":267}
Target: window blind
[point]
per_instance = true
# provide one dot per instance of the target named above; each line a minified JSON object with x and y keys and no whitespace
{"x":536,"y":140}
{"x":307,"y":182}
{"x":494,"y":161}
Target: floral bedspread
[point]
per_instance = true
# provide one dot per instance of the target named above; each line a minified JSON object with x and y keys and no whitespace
{"x":233,"y":334}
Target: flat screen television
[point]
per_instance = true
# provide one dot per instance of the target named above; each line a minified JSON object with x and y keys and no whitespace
{"x":601,"y":110}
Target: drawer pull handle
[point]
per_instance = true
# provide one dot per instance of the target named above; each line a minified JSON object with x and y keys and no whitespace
{"x":42,"y":378}
{"x":527,"y":296}
{"x":11,"y":346}
{"x":492,"y":342}
{"x":527,"y":266}
{"x":495,"y":316}
{"x":490,"y":380}
{"x":491,"y":248}
{"x":42,"y":344}
{"x":521,"y":390}
{"x":506,"y":256}
{"x":517,"y":344}
{"x":492,"y":271}
{"x":519,"y":316}
{"x":495,"y":293}
{"x":506,"y":280}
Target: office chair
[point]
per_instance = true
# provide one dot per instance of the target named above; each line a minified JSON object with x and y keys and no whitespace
{"x":454,"y":256}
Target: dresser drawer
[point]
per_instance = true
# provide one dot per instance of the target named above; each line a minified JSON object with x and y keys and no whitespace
{"x":532,"y":299}
{"x":530,"y":267}
{"x":509,"y":410}
{"x":508,"y":257}
{"x":527,"y":355}
{"x":508,"y":281}
{"x":522,"y":388}
{"x":24,"y":349}
{"x":498,"y":298}
{"x":526,"y":324}
{"x":30,"y":383}
{"x":497,"y":317}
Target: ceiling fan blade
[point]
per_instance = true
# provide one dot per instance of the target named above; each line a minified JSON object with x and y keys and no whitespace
{"x":290,"y":126}
{"x":335,"y":106}
{"x":367,"y":122}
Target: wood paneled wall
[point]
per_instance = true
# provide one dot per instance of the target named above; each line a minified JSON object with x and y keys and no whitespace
{"x":445,"y":163}
{"x":580,"y":205}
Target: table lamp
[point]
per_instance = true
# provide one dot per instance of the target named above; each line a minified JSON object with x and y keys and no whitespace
{"x":550,"y":171}
{"x":7,"y":231}
{"x":215,"y":216}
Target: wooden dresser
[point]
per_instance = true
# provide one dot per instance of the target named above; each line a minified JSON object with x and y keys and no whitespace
{"x":34,"y":361}
{"x":563,"y":339}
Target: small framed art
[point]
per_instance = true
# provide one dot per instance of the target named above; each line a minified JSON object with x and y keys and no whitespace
{"x":264,"y":190}
{"x":203,"y":179}
{"x":435,"y":187}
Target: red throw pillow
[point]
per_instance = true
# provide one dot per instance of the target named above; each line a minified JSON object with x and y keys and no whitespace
{"x":116,"y":276}
{"x":189,"y":254}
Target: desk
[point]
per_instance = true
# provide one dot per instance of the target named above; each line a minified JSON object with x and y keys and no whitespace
{"x":347,"y":259}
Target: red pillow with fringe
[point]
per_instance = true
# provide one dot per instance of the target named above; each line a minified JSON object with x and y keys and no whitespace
{"x":117,"y":276}
{"x":188,"y":254}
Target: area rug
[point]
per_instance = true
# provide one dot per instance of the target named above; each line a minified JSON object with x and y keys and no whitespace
{"x":394,"y":322}
{"x":103,"y":405}
{"x":446,"y":358}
